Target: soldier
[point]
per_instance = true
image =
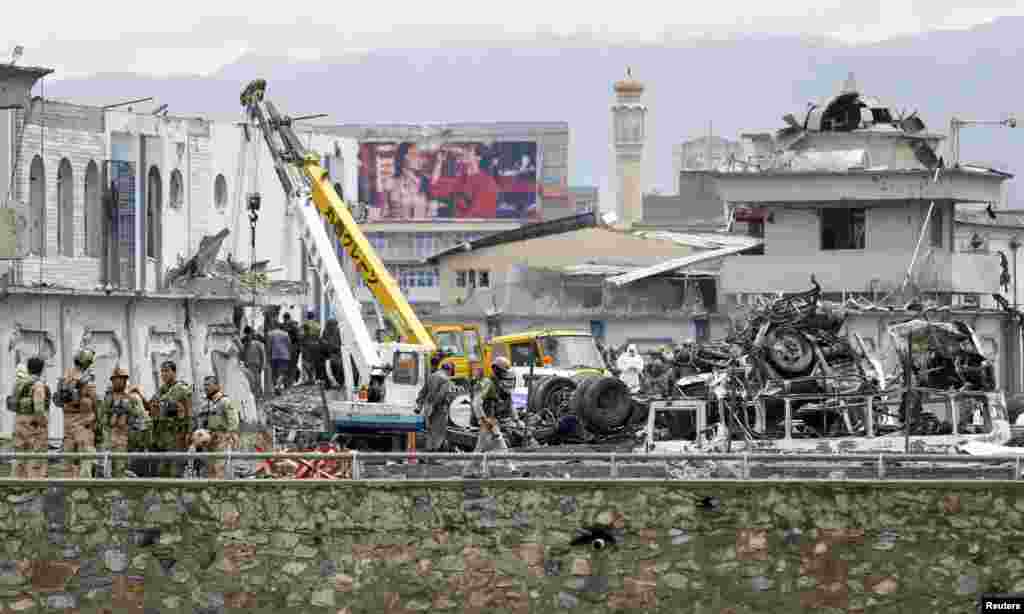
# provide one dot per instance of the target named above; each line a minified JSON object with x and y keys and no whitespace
{"x":219,"y":417}
{"x":171,"y":409}
{"x":31,"y":404}
{"x":122,"y":413}
{"x":434,"y":400}
{"x":493,"y":400}
{"x":76,"y":394}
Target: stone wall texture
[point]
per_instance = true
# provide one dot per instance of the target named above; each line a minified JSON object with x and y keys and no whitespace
{"x":504,"y":546}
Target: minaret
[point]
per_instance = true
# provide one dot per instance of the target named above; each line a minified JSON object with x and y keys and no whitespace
{"x":629,"y":117}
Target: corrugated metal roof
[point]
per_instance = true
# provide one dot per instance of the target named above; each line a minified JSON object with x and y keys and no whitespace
{"x":678,"y":263}
{"x":700,"y":240}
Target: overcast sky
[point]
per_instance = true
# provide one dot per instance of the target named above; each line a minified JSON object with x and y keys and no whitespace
{"x":171,"y":38}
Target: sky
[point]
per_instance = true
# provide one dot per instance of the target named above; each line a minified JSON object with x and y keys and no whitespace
{"x":172,"y":38}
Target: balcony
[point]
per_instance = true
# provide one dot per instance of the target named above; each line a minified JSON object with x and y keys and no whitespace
{"x":861,"y":271}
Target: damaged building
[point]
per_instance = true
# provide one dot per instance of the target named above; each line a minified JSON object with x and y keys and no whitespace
{"x":619,"y":275}
{"x":844,"y":193}
{"x":127,"y":232}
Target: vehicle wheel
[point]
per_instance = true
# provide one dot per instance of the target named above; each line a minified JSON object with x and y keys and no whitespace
{"x":552,"y":394}
{"x":576,"y":403}
{"x":789,"y":351}
{"x":607,"y":405}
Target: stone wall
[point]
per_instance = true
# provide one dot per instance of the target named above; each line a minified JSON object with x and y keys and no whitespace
{"x":402,"y":547}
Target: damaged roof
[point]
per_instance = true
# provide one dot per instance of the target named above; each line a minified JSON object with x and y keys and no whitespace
{"x":693,"y":240}
{"x":523,"y":233}
{"x":683,"y":263}
{"x":982,"y":214}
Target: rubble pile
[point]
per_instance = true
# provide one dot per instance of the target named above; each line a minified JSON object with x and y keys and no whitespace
{"x":299,"y":409}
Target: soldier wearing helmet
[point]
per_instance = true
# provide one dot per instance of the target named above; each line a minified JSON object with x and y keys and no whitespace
{"x":219,"y":416}
{"x":121,"y":413}
{"x":76,"y":395}
{"x":171,"y":410}
{"x":493,"y":399}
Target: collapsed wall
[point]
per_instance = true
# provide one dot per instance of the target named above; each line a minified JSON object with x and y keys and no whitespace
{"x":134,"y":332}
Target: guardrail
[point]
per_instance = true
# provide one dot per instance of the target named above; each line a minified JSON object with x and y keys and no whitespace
{"x":604,"y":465}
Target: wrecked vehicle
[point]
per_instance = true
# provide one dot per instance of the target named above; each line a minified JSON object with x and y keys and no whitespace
{"x":942,"y":422}
{"x":561,"y":391}
{"x":790,"y":381}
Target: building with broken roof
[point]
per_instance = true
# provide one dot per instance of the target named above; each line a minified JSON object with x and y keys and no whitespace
{"x":127,"y":232}
{"x":645,"y":287}
{"x":623,"y":277}
{"x":863,"y":200}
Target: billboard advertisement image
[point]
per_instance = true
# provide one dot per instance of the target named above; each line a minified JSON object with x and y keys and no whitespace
{"x":407,"y":182}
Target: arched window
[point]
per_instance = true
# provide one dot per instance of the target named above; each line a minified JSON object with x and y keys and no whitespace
{"x":154,"y":197}
{"x":37,"y":208}
{"x":220,"y":192}
{"x":93,"y":212}
{"x":177,"y":189}
{"x":66,"y":209}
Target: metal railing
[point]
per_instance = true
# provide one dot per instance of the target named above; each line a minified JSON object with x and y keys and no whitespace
{"x":602,"y":465}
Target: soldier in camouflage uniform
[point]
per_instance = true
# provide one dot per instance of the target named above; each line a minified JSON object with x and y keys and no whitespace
{"x":171,"y":409}
{"x":220,"y":416}
{"x":76,"y":394}
{"x":121,"y":413}
{"x":31,"y":406}
{"x":492,"y":399}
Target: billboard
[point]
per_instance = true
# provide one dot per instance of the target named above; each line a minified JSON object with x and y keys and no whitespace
{"x":404,"y":182}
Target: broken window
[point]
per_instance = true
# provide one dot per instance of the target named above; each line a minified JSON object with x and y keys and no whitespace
{"x":460,"y":279}
{"x":520,"y":354}
{"x":177,"y":189}
{"x":484,"y":279}
{"x":936,"y":228}
{"x":471,"y":278}
{"x":406,"y":368}
{"x":842,"y":228}
{"x":972,"y":415}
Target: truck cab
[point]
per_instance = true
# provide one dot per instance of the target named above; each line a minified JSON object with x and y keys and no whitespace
{"x":463,"y":347}
{"x":409,"y":366}
{"x":565,"y":353}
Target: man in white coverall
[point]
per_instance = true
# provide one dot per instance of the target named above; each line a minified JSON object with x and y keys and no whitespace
{"x":630,"y":365}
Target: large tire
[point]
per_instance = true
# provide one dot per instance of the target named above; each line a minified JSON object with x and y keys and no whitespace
{"x":607,"y":405}
{"x":577,"y":402}
{"x":789,"y":351}
{"x":553,"y":394}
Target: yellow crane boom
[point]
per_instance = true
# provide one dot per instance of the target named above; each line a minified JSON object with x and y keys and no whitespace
{"x":335,"y":211}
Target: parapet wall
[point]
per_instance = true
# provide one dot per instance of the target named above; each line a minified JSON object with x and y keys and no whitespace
{"x":504,"y":546}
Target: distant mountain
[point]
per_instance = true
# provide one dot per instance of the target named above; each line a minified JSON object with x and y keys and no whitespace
{"x":741,"y":85}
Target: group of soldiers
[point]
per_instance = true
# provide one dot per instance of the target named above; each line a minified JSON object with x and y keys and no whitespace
{"x":121,"y":421}
{"x":492,"y":400}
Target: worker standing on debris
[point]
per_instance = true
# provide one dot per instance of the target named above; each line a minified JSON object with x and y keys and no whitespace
{"x":294,"y":337}
{"x":630,"y":365}
{"x":280,"y":355}
{"x":171,"y":408}
{"x":255,"y":355}
{"x":220,"y":418}
{"x":31,"y":405}
{"x":434,"y":400}
{"x":121,"y":413}
{"x":76,"y":395}
{"x":310,"y":348}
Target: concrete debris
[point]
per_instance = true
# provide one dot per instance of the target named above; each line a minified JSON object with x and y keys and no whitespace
{"x":199,"y":264}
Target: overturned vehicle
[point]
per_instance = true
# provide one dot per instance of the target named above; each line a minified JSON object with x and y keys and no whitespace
{"x":791,"y":381}
{"x":561,"y":392}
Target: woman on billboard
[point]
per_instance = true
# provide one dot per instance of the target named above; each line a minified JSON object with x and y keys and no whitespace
{"x":407,"y":188}
{"x":474,"y":193}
